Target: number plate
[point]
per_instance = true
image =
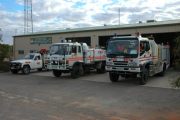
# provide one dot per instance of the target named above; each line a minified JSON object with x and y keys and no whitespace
{"x":120,"y":59}
{"x":120,"y":69}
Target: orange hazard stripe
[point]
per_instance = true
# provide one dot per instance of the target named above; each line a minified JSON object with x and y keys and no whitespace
{"x":89,"y":58}
{"x":100,"y":57}
{"x":145,"y":58}
{"x":155,"y":56}
{"x":97,"y":57}
{"x":75,"y":59}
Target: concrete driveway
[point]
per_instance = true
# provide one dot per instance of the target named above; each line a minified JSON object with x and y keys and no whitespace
{"x":155,"y":81}
{"x":40,"y":96}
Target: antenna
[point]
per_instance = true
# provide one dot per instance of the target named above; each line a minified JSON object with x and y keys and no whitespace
{"x":28,"y":18}
{"x":1,"y":34}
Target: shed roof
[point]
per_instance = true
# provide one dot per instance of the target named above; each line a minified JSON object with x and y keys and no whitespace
{"x":106,"y":27}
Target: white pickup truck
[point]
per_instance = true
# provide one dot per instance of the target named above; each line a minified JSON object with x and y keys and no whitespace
{"x":30,"y":61}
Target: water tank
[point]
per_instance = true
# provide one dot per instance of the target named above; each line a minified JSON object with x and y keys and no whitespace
{"x":85,"y":47}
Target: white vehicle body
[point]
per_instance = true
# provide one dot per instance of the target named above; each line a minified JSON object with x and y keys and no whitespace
{"x":30,"y":61}
{"x":141,"y":64}
{"x":75,"y":57}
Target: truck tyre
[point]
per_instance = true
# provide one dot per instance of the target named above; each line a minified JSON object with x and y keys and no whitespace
{"x":113,"y":77}
{"x":57,"y":73}
{"x":26,"y":69}
{"x":76,"y":71}
{"x":14,"y":71}
{"x":144,"y":77}
{"x":81,"y":70}
{"x":102,"y":68}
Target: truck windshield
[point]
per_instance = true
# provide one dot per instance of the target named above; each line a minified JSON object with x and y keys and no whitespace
{"x":29,"y":56}
{"x":123,"y":47}
{"x":61,"y":49}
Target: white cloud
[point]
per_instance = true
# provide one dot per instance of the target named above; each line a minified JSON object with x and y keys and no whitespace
{"x":61,"y":14}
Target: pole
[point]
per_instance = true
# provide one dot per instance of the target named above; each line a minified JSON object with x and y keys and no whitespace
{"x":31,"y":18}
{"x":1,"y":34}
{"x":119,"y":15}
{"x":24,"y":16}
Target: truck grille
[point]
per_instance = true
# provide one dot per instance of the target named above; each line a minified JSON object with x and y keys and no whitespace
{"x":15,"y":65}
{"x":121,"y":63}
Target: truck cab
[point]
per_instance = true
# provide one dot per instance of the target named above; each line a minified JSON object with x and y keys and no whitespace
{"x":122,"y":55}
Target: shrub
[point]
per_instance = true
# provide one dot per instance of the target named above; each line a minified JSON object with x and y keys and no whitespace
{"x":176,"y":52}
{"x":176,"y":83}
{"x":177,"y":64}
{"x":4,"y":66}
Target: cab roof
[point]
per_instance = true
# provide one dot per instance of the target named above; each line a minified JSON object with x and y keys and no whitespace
{"x":67,"y":43}
{"x":130,"y":37}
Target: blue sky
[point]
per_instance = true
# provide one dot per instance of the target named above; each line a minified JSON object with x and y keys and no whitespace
{"x":62,"y":14}
{"x":10,"y":5}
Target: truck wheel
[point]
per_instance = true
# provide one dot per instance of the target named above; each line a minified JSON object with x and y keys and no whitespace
{"x":26,"y":69}
{"x":14,"y":71}
{"x":57,"y":73}
{"x":75,"y":72}
{"x":81,"y":70}
{"x":144,"y":77}
{"x":113,"y":77}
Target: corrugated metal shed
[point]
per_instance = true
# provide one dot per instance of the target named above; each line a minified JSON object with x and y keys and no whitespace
{"x":106,"y":27}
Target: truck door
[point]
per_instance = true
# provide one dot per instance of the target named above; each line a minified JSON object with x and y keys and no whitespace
{"x":79,"y":52}
{"x":37,"y":62}
{"x":145,"y":52}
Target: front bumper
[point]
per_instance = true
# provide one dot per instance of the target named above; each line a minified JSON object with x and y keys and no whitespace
{"x":15,"y":66}
{"x":58,"y":67}
{"x":127,"y":69}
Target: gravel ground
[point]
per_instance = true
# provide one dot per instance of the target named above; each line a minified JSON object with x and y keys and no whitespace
{"x":40,"y":96}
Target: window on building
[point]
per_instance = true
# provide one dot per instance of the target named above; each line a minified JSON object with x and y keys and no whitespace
{"x":20,"y":52}
{"x":33,"y":51}
{"x":41,"y":40}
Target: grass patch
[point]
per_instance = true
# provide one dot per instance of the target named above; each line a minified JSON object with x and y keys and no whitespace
{"x":177,"y":64}
{"x":176,"y":83}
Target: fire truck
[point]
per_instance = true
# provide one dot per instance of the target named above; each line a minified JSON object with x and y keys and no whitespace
{"x":75,"y":58}
{"x":137,"y":57}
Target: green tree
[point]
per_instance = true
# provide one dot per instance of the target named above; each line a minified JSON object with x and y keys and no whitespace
{"x":176,"y":51}
{"x":4,"y":51}
{"x":177,"y":48}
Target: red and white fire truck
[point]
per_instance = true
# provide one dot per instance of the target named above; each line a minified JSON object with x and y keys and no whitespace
{"x":136,"y":56}
{"x":75,"y":58}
